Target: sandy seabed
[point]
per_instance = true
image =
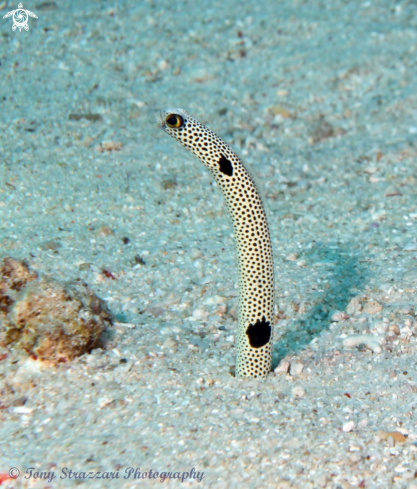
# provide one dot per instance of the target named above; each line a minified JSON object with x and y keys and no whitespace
{"x":320,"y":100}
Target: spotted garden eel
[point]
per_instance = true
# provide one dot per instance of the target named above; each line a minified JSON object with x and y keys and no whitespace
{"x":253,"y":243}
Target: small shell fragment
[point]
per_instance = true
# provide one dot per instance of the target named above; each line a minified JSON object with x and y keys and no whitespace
{"x":349,"y":426}
{"x":369,"y":341}
{"x":337,"y":316}
{"x":22,"y":410}
{"x":292,"y":256}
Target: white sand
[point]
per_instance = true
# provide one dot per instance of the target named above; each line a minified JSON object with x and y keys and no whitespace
{"x":320,"y":100}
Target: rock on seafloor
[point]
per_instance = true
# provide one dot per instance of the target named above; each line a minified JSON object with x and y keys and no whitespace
{"x":45,"y":319}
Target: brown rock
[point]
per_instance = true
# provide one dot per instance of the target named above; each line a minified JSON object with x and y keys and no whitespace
{"x":44,"y":318}
{"x":372,"y":307}
{"x":395,"y":435}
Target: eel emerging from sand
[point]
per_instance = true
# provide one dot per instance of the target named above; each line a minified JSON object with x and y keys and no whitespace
{"x":253,"y":243}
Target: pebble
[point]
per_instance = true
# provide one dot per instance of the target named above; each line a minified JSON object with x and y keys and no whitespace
{"x":395,"y":435}
{"x":109,"y":146}
{"x":394,"y":329}
{"x":163,"y":64}
{"x":104,"y":231}
{"x":337,"y":316}
{"x":170,"y":344}
{"x":292,"y":256}
{"x":381,"y":328}
{"x":371,"y":169}
{"x":103,"y":401}
{"x":280,"y":111}
{"x":353,"y":307}
{"x":283,"y":367}
{"x":349,"y":426}
{"x":369,"y":341}
{"x":372,"y":307}
{"x":200,"y":314}
{"x":296,"y":368}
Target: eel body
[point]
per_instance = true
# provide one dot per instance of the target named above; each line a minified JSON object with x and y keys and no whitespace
{"x":253,"y":243}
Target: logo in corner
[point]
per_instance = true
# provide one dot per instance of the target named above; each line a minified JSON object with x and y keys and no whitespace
{"x":20,"y":18}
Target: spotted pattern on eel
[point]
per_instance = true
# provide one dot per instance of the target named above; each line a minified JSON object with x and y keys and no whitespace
{"x":253,"y":243}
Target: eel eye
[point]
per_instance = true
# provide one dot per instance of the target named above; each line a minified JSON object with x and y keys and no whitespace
{"x":175,"y":121}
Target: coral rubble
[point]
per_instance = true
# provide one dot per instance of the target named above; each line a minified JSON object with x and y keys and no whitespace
{"x":46,"y":319}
